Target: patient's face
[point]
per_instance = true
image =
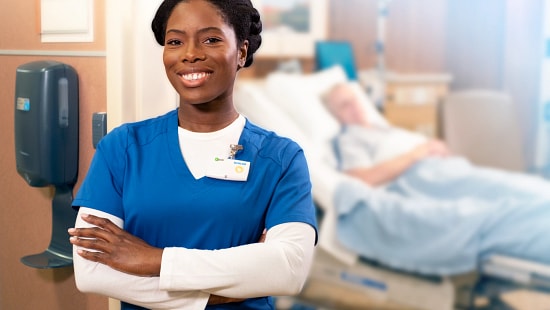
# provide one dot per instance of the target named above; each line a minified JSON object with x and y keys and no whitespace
{"x":345,"y":105}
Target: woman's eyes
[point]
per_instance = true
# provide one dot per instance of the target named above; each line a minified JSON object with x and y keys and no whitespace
{"x":173,"y":42}
{"x":212,"y":40}
{"x":176,"y":42}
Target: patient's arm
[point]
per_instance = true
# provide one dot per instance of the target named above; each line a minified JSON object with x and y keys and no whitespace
{"x":388,"y":170}
{"x":383,"y":172}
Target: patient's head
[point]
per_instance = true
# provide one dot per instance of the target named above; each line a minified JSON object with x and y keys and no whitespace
{"x":345,"y":105}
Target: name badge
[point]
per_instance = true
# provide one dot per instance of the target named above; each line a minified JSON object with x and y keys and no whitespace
{"x":228,"y":169}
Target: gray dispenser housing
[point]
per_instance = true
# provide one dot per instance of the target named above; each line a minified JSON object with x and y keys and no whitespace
{"x":46,"y":146}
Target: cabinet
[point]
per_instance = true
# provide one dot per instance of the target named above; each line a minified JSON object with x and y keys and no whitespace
{"x":419,"y":118}
{"x":411,"y":100}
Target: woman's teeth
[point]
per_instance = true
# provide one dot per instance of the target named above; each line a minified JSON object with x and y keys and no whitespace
{"x":194,"y":76}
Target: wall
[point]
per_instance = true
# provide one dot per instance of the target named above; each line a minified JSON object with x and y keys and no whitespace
{"x":522,"y":65}
{"x":421,"y":37}
{"x":415,"y":34}
{"x":490,"y":44}
{"x":25,"y":212}
{"x":137,"y":84}
{"x":498,"y":45}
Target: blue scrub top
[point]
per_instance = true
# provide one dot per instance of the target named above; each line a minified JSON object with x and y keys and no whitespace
{"x":138,"y":174}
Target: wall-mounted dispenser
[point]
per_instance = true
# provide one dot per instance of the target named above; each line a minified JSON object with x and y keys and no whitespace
{"x":46,"y":146}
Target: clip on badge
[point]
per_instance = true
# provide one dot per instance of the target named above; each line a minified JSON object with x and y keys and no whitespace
{"x":229,"y":168}
{"x":233,"y":149}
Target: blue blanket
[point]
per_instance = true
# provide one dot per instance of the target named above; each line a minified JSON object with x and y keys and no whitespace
{"x":443,"y":216}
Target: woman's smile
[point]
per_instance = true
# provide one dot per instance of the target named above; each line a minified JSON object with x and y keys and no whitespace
{"x":194,"y":79}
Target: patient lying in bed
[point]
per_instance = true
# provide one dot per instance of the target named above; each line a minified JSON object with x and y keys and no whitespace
{"x":425,"y":210}
{"x":364,"y":145}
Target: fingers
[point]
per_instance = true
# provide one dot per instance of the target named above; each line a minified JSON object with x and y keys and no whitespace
{"x":216,"y":300}
{"x":91,"y":255}
{"x":88,"y":238}
{"x":437,"y":147}
{"x":92,"y":233}
{"x":100,"y":222}
{"x":262,"y":237}
{"x":94,"y":238}
{"x":103,"y":228}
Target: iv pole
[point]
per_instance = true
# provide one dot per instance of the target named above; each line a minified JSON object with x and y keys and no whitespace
{"x":380,"y":70}
{"x":381,"y":35}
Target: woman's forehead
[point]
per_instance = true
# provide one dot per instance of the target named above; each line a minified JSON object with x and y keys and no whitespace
{"x":195,"y":11}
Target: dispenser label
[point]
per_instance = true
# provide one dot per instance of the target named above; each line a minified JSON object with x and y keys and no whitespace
{"x":23,"y":104}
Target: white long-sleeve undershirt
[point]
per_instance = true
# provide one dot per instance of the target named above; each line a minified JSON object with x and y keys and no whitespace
{"x":279,"y":266}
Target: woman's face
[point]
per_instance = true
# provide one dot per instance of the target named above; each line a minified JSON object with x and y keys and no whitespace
{"x":201,"y":56}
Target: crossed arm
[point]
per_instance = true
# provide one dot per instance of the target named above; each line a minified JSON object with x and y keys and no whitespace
{"x":112,"y":262}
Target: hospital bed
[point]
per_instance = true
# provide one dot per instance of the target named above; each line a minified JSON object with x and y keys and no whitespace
{"x":288,"y":104}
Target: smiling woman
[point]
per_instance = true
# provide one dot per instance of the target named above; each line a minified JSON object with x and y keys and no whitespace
{"x":201,"y":62}
{"x":189,"y":209}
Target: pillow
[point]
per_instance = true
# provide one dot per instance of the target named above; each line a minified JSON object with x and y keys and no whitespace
{"x":251,"y":101}
{"x":373,"y":115}
{"x":299,"y":95}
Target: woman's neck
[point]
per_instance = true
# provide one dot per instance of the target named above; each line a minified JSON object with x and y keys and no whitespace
{"x":193,"y":118}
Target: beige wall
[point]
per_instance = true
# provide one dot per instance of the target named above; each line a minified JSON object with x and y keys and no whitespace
{"x":25,"y":212}
{"x":415,"y":35}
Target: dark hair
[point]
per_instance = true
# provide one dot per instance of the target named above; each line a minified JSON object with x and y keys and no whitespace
{"x":240,"y":14}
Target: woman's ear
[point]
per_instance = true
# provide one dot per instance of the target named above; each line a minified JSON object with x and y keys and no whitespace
{"x":243,"y":52}
{"x":241,"y":61}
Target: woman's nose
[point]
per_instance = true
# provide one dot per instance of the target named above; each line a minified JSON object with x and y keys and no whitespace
{"x":192,"y":53}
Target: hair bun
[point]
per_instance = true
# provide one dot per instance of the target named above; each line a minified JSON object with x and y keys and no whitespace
{"x":255,"y":23}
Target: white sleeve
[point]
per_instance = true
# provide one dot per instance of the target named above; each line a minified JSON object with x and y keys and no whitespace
{"x":279,"y":266}
{"x":92,"y":277}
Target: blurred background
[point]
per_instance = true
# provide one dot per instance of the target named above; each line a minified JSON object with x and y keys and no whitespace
{"x":409,"y":53}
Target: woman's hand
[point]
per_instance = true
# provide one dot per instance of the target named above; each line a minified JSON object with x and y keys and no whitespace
{"x":110,"y":245}
{"x":217,"y":300}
